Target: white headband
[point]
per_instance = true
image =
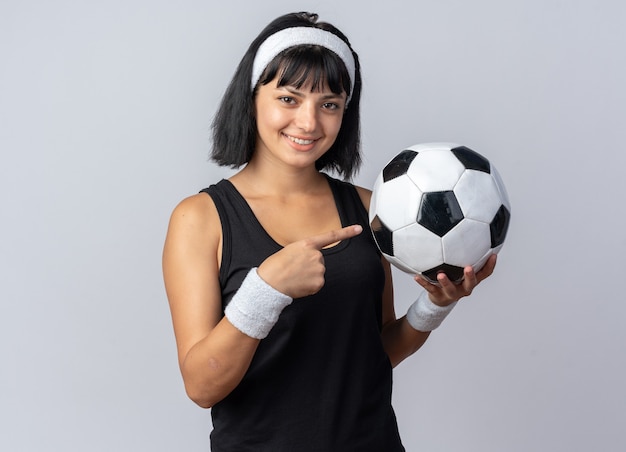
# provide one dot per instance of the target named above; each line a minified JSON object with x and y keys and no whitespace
{"x":290,"y":37}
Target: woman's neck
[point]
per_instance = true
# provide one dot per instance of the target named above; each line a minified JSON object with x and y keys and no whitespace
{"x":262,"y":179}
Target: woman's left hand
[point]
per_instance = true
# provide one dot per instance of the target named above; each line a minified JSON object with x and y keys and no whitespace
{"x":447,"y":292}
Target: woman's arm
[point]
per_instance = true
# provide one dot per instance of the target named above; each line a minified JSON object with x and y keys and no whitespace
{"x":213,"y":355}
{"x":400,"y":340}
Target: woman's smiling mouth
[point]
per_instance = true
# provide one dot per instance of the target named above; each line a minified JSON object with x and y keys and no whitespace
{"x":300,"y":141}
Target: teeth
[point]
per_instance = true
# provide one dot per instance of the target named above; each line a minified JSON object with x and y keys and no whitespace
{"x":299,"y":140}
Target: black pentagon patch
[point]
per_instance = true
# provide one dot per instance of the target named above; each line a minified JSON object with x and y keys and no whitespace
{"x":398,"y":165}
{"x":383,"y":236}
{"x":439,"y":212}
{"x":472,"y":159}
{"x":499,"y":226}
{"x":454,"y":273}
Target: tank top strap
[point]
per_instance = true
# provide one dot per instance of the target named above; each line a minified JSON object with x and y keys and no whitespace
{"x":239,"y":225}
{"x":349,"y":204}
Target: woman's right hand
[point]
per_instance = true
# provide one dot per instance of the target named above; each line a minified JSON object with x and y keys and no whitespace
{"x":298,"y":269}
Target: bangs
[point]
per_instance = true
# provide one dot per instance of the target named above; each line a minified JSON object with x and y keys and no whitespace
{"x":308,"y":64}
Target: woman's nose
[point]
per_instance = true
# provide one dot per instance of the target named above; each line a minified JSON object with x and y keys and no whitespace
{"x":306,"y":117}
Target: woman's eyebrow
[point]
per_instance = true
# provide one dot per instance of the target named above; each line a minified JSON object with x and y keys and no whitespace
{"x":297,"y":92}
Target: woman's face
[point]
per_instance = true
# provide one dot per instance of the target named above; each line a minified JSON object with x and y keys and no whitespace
{"x":296,"y":126}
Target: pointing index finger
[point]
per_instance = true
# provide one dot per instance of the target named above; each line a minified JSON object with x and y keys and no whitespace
{"x":328,"y":238}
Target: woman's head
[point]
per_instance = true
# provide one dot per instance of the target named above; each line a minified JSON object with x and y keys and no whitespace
{"x":295,"y":50}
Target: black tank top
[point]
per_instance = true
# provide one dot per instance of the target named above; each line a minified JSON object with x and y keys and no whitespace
{"x":320,"y":381}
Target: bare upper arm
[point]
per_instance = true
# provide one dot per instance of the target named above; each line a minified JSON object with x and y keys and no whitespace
{"x":191,"y":257}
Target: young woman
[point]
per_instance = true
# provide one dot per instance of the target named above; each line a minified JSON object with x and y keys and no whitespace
{"x":281,"y":303}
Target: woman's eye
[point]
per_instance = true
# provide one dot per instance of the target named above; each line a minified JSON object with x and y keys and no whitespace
{"x":330,"y":106}
{"x":287,"y":99}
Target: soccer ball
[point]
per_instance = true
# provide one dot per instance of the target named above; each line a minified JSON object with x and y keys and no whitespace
{"x":438,"y":207}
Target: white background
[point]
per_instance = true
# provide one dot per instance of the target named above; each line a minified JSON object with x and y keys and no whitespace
{"x":104,"y":118}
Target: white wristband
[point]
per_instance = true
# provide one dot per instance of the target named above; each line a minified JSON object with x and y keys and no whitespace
{"x":424,"y":315}
{"x":255,"y":307}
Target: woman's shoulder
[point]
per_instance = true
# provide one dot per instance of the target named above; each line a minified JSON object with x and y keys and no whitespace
{"x":196,"y":205}
{"x":195,"y":214}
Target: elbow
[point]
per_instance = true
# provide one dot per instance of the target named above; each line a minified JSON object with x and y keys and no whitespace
{"x":207,"y":389}
{"x":400,"y":341}
{"x":206,"y":394}
{"x":200,"y":398}
{"x":197,"y":387}
{"x":202,"y":403}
